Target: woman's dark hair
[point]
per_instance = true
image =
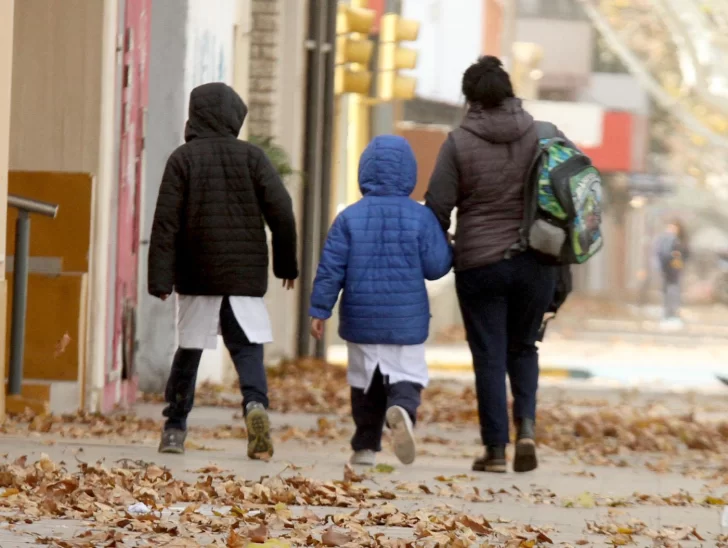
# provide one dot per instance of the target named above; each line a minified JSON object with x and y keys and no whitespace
{"x":486,"y":83}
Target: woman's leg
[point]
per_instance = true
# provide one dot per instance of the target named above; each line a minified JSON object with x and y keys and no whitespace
{"x":482,"y":296}
{"x":531,"y":294}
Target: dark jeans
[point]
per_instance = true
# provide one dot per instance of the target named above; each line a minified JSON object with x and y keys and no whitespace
{"x":248,"y":360}
{"x":503,"y":305}
{"x":369,"y":409}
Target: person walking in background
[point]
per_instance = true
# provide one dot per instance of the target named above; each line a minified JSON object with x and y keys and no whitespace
{"x":209,"y":245}
{"x":672,"y":254}
{"x":380,"y":251}
{"x":481,"y":169}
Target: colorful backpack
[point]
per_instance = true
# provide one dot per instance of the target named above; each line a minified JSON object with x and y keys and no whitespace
{"x":563,"y":202}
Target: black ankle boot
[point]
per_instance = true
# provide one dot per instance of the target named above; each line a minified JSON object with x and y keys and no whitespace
{"x":525,"y":459}
{"x":494,"y":460}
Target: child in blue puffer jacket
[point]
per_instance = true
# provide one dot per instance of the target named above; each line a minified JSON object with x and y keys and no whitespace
{"x":380,"y":251}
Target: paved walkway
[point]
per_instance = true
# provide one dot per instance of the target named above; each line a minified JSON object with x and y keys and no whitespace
{"x":567,"y":499}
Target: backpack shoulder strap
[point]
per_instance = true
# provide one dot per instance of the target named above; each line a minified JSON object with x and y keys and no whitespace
{"x":547,"y":130}
{"x":544,"y":130}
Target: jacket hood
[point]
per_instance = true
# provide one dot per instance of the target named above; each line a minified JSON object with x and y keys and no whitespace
{"x":504,"y":124}
{"x":388,"y":167}
{"x":215,"y":110}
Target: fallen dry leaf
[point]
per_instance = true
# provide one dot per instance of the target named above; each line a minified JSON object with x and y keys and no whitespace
{"x":234,"y":540}
{"x":259,"y":534}
{"x":332,"y":537}
{"x":351,"y":476}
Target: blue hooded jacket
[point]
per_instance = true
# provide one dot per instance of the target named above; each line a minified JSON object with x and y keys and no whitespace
{"x":380,"y":251}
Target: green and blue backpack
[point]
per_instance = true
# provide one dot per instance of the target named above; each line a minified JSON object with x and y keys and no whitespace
{"x":563,"y":202}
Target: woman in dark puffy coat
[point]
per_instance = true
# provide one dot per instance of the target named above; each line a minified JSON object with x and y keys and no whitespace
{"x":481,"y":169}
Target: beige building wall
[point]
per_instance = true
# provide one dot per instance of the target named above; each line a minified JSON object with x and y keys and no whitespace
{"x":6,"y":65}
{"x":56,"y":85}
{"x":62,"y":119}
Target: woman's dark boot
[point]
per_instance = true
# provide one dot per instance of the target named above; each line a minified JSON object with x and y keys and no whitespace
{"x":525,"y":459}
{"x":494,"y":460}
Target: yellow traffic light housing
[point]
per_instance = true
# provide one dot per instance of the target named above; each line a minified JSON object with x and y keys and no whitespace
{"x":353,"y":50}
{"x":392,"y":58}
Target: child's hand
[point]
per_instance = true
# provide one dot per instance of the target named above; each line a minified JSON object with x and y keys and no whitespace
{"x":317,"y":328}
{"x":289,"y":284}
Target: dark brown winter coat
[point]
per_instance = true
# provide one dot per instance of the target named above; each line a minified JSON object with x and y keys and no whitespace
{"x":481,"y":169}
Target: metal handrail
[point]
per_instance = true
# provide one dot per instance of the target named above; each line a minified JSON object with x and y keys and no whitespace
{"x":33,"y":206}
{"x":25,"y":207}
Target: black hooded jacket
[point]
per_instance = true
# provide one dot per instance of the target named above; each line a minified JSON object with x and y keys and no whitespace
{"x":217,"y":194}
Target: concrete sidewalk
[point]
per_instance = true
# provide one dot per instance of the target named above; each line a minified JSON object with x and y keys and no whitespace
{"x":563,"y":496}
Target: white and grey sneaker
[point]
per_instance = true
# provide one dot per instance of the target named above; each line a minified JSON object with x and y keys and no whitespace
{"x":402,"y":434}
{"x":173,"y":441}
{"x":365,"y":457}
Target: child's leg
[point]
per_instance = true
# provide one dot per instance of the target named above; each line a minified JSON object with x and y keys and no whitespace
{"x":248,"y":360}
{"x":180,"y":391}
{"x":369,"y":410}
{"x":403,"y":400}
{"x":407,"y":395}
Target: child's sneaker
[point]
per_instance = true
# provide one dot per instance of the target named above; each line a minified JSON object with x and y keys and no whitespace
{"x":365,"y":457}
{"x":173,"y":441}
{"x":260,"y":445}
{"x":404,"y":440}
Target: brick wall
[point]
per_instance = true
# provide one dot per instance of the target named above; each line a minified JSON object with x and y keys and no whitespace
{"x":264,"y":59}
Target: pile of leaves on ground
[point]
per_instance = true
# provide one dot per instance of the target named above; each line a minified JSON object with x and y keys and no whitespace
{"x":140,"y":504}
{"x":595,"y":430}
{"x":126,"y":427}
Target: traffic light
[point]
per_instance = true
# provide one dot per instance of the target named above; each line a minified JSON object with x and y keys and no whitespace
{"x":353,"y":50}
{"x":392,"y":58}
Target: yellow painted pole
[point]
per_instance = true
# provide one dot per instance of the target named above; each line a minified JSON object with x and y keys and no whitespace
{"x":357,"y":133}
{"x":352,"y":148}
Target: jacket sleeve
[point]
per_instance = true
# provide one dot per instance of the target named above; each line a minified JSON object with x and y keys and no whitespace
{"x":277,"y":208}
{"x":165,"y":227}
{"x":435,"y":250}
{"x":442,"y":193}
{"x":331,"y":273}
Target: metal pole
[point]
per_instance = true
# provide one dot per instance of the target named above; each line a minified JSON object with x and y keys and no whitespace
{"x":312,"y":170}
{"x":20,"y":302}
{"x":327,"y":137}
